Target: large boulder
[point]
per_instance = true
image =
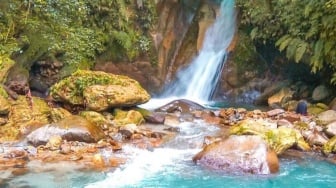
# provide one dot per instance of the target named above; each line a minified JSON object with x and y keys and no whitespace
{"x":71,"y":128}
{"x":99,"y":91}
{"x":320,"y":92}
{"x":279,"y":139}
{"x":247,"y":154}
{"x":181,"y":105}
{"x":24,"y":116}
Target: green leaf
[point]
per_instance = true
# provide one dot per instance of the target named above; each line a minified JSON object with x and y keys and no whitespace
{"x":300,"y":51}
{"x":254,"y":33}
{"x":318,"y":47}
{"x":285,"y":43}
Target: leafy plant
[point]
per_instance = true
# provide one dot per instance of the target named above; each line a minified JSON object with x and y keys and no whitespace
{"x":305,"y":30}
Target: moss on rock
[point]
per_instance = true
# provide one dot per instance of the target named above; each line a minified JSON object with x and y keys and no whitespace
{"x":99,"y":90}
{"x":5,"y":64}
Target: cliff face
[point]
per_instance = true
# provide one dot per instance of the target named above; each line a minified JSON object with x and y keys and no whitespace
{"x":177,"y":38}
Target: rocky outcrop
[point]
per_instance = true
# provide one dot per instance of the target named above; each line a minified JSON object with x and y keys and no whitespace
{"x":72,"y":128}
{"x":239,"y":154}
{"x":280,"y":139}
{"x":99,"y":91}
{"x":181,"y":105}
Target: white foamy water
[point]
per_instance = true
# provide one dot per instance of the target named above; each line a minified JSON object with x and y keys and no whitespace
{"x":199,"y":80}
{"x":144,"y":164}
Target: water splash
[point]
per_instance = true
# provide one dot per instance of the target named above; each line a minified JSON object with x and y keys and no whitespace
{"x":198,"y":81}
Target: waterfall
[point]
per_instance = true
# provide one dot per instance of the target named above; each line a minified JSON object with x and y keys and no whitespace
{"x":198,"y":81}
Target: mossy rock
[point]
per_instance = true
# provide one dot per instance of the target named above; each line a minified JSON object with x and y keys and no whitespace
{"x":96,"y":118}
{"x":4,"y":105}
{"x":57,"y":114}
{"x":5,"y":65}
{"x":279,"y":139}
{"x":99,"y":90}
{"x":315,"y":109}
{"x":122,"y":118}
{"x":24,"y":117}
{"x":330,"y":146}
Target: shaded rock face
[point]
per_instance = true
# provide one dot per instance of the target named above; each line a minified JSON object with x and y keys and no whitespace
{"x":181,"y":105}
{"x":99,"y":90}
{"x":142,"y":71}
{"x":239,"y":154}
{"x":71,"y":128}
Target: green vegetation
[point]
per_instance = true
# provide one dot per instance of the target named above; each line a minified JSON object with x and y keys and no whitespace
{"x":74,"y":31}
{"x":304,"y":30}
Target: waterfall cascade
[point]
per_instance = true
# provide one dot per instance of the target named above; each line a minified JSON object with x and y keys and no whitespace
{"x":198,"y":81}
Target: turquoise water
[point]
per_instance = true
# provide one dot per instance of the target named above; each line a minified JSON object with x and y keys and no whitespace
{"x":171,"y":166}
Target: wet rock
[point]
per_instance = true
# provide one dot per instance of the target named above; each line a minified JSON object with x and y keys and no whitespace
{"x":315,"y":109}
{"x":314,"y":137}
{"x":4,"y":105}
{"x":99,"y":91}
{"x":65,"y":148}
{"x":72,"y":128}
{"x":331,"y":129}
{"x":326,"y":117}
{"x":171,"y":120}
{"x":330,"y":146}
{"x":152,"y":117}
{"x":280,"y":98}
{"x":279,"y":139}
{"x":57,"y":114}
{"x":320,"y":92}
{"x":122,"y":118}
{"x":54,"y":142}
{"x":182,"y":105}
{"x":275,"y":112}
{"x":285,"y":123}
{"x":239,"y":154}
{"x":24,"y":117}
{"x":96,"y":118}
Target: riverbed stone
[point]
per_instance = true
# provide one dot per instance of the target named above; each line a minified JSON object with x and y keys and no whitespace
{"x":239,"y":154}
{"x":330,"y":146}
{"x":122,"y":117}
{"x":331,"y":129}
{"x":72,"y":128}
{"x":181,"y":105}
{"x":326,"y":117}
{"x":320,"y":92}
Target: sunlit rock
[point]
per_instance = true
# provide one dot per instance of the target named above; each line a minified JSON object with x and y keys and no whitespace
{"x":239,"y":154}
{"x":54,"y":142}
{"x":72,"y":128}
{"x":330,"y":146}
{"x":331,"y":129}
{"x":182,"y":105}
{"x":57,"y":114}
{"x":24,"y":117}
{"x":326,"y":117}
{"x":280,"y":98}
{"x":122,"y":118}
{"x":96,"y":118}
{"x":279,"y":139}
{"x":99,"y":91}
{"x":315,"y":109}
{"x":4,"y":105}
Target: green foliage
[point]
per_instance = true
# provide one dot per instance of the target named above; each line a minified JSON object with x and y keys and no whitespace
{"x":73,"y":31}
{"x":305,"y":30}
